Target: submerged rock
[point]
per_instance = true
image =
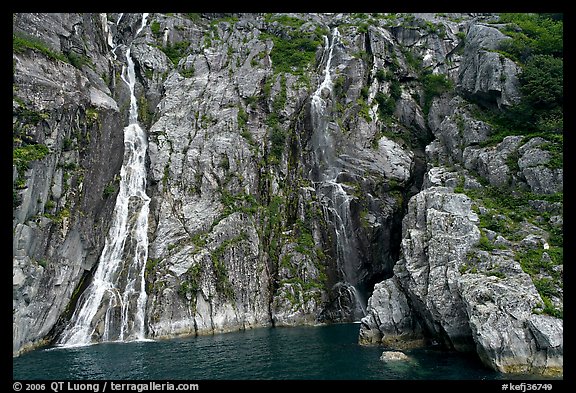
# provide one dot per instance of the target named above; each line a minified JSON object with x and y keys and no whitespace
{"x":393,"y":356}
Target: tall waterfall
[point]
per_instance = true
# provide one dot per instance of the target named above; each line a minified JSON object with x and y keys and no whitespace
{"x":112,"y":308}
{"x":332,"y":192}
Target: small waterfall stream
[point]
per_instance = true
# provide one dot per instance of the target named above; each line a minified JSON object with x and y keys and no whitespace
{"x":112,"y":308}
{"x":332,"y":193}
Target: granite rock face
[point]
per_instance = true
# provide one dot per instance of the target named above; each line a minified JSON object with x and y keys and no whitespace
{"x":439,"y":230}
{"x":460,"y":279}
{"x":507,"y":333}
{"x":467,"y":299}
{"x":484,"y":74}
{"x":63,"y":200}
{"x":239,"y":234}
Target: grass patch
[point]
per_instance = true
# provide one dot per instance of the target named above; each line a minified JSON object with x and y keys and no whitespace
{"x":21,"y":43}
{"x":22,"y":156}
{"x":294,"y":50}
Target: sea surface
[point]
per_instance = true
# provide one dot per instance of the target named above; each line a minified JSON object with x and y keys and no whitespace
{"x":327,"y":352}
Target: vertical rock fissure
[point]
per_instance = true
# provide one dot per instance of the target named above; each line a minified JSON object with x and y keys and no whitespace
{"x":112,"y":308}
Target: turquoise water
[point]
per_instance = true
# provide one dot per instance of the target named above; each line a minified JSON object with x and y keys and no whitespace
{"x":328,"y":352}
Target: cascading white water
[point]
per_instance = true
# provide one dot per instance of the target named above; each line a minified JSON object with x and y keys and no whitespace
{"x":335,"y":200}
{"x":321,"y":138}
{"x":112,"y":308}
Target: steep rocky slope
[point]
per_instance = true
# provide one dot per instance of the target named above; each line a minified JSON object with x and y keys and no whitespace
{"x":298,"y":165}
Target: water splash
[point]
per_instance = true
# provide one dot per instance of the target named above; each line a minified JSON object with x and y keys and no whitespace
{"x":112,"y":308}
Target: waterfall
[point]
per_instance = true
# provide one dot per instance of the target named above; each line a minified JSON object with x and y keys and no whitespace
{"x":321,"y":137}
{"x":332,"y":194}
{"x":112,"y":308}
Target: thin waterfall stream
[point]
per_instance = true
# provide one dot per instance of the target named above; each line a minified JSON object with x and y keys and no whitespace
{"x":331,"y":190}
{"x":112,"y":308}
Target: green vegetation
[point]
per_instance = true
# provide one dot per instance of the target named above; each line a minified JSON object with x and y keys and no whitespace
{"x":387,"y":103}
{"x":412,"y":59}
{"x":508,"y":211}
{"x":191,"y":282}
{"x":542,"y":86}
{"x":151,"y":265}
{"x":155,"y":28}
{"x":194,"y":17}
{"x":77,"y":60}
{"x":277,"y":134}
{"x":176,"y":51}
{"x":292,"y":55}
{"x":434,"y":85}
{"x":20,"y":43}
{"x":242,"y":119}
{"x":509,"y":207}
{"x":285,"y":20}
{"x":59,"y":217}
{"x":532,"y":34}
{"x":241,"y":202}
{"x":433,"y":28}
{"x":382,"y":75}
{"x":29,"y":116}
{"x":277,"y":140}
{"x":109,"y":190}
{"x":294,"y":51}
{"x":22,"y":156}
{"x":305,"y":241}
{"x":536,"y":44}
{"x":92,"y":117}
{"x":226,"y":19}
{"x":223,"y":285}
{"x":485,"y":243}
{"x":540,"y":112}
{"x":540,"y":265}
{"x":144,"y":113}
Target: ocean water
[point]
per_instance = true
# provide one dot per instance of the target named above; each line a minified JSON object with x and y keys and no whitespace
{"x":328,"y":352}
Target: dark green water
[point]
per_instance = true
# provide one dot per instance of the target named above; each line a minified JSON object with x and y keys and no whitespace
{"x":323,"y":352}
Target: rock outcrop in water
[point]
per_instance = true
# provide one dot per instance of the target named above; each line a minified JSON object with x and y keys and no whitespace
{"x":301,"y":168}
{"x":461,"y":279}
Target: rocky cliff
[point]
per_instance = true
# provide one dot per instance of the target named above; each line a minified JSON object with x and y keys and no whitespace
{"x":300,"y":168}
